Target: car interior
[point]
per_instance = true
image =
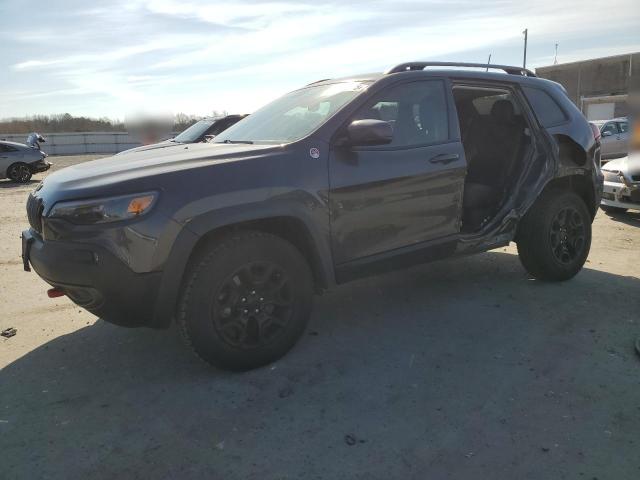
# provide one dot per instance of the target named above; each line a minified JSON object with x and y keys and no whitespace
{"x":496,"y":138}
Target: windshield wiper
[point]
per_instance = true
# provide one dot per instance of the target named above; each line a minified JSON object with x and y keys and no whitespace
{"x":248,"y":142}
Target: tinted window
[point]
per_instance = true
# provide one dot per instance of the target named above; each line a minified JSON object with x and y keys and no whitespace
{"x":417,"y":111}
{"x":623,"y":126}
{"x":547,"y":110}
{"x":7,"y":148}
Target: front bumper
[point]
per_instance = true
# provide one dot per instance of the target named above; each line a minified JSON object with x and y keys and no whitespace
{"x":40,"y":166}
{"x":94,"y":279}
{"x":621,"y":195}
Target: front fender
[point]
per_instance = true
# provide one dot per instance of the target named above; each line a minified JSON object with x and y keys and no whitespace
{"x":294,"y":204}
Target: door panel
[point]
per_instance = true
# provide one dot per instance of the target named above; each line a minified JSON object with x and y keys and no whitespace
{"x":609,"y":143}
{"x":409,"y":191}
{"x":383,"y":200}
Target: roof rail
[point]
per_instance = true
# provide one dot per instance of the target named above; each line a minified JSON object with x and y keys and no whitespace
{"x":409,"y":66}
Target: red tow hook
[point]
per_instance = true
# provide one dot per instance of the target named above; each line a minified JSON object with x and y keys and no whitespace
{"x":55,"y":292}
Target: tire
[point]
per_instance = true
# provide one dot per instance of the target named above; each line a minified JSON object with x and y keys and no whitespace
{"x":246,"y":300}
{"x":19,"y":172}
{"x":608,"y":209}
{"x":552,"y":249}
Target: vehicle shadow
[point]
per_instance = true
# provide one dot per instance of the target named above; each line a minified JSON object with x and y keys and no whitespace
{"x":629,"y":218}
{"x":11,"y":184}
{"x":420,"y":370}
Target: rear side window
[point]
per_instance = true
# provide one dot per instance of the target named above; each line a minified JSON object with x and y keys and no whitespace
{"x":623,"y":126}
{"x":547,"y":110}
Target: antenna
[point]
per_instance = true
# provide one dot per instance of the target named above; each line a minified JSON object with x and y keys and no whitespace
{"x":488,"y":63}
{"x":524,"y":60}
{"x":555,"y":57}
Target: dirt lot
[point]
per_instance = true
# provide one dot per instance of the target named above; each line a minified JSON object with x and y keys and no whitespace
{"x":462,"y":369}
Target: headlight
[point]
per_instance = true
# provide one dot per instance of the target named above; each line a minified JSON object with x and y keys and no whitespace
{"x":103,"y":210}
{"x":612,"y":176}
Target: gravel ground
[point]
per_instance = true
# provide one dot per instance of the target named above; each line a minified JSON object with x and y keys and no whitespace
{"x":464,"y":369}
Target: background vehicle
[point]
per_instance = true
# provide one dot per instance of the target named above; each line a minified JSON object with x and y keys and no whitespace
{"x":334,"y":181}
{"x":203,"y":130}
{"x":621,"y":184}
{"x":19,"y":162}
{"x":615,"y":137}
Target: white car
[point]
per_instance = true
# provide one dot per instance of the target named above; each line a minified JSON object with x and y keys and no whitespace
{"x":621,"y":184}
{"x":19,"y":161}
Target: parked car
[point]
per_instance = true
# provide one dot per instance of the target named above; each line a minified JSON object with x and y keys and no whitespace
{"x":615,"y":137}
{"x":201,"y":131}
{"x":621,"y":184}
{"x":337,"y":180}
{"x":18,"y":162}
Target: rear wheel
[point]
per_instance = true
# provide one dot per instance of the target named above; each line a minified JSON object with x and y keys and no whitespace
{"x":247,"y":300}
{"x":554,"y":237}
{"x":19,"y":172}
{"x":609,"y":209}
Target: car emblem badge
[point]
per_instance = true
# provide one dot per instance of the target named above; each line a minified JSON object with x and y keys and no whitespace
{"x":314,"y":152}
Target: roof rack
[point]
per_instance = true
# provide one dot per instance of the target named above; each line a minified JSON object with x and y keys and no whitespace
{"x":409,"y":66}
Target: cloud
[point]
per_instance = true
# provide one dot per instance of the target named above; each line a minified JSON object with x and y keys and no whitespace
{"x":198,"y":55}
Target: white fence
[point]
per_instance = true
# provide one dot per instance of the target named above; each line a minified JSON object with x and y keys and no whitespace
{"x":80,"y":143}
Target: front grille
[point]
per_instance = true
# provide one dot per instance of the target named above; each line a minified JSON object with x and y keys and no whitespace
{"x":34,"y":212}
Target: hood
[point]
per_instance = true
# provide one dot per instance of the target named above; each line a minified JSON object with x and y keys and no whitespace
{"x":19,"y":146}
{"x":143,"y":168}
{"x":153,"y":146}
{"x":629,"y":166}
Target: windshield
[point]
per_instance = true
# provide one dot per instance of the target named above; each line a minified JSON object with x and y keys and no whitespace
{"x":294,"y":115}
{"x":194,"y":132}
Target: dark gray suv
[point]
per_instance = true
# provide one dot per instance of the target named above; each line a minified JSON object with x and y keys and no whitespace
{"x":337,"y":180}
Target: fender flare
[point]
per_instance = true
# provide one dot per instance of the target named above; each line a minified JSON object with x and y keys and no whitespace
{"x":198,"y":227}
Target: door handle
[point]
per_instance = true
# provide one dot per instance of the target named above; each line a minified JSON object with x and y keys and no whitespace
{"x":445,"y":158}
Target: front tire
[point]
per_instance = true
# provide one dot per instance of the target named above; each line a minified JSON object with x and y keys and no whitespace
{"x":554,"y":237}
{"x":246,"y":300}
{"x":19,"y":172}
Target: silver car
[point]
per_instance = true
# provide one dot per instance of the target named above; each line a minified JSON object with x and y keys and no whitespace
{"x":621,"y":184}
{"x":615,"y":137}
{"x":19,"y":161}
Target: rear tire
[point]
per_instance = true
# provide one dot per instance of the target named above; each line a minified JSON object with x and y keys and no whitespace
{"x":554,"y":237}
{"x":246,"y":300}
{"x":609,"y":209}
{"x":19,"y":172}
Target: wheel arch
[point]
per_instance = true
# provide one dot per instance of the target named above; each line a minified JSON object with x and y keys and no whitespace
{"x":579,"y":184}
{"x":201,"y":232}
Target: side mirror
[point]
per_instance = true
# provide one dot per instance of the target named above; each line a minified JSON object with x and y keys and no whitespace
{"x":607,"y":133}
{"x":369,"y":132}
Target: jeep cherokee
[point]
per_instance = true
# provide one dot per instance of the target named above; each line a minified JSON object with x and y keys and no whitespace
{"x":339,"y":179}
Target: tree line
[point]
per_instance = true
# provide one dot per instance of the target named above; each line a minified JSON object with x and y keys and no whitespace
{"x":67,"y":123}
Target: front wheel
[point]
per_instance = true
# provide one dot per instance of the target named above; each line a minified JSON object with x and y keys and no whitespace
{"x":246,"y":300}
{"x":19,"y":172}
{"x":554,"y":237}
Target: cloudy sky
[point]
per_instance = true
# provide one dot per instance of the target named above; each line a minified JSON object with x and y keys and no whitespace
{"x":114,"y":57}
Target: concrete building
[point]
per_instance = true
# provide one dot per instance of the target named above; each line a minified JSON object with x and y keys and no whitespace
{"x":599,"y":87}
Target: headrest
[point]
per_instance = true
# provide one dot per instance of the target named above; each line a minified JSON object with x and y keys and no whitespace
{"x":502,"y":111}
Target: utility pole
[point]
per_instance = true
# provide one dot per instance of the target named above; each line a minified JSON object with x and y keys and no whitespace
{"x":524,"y":61}
{"x":555,"y":57}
